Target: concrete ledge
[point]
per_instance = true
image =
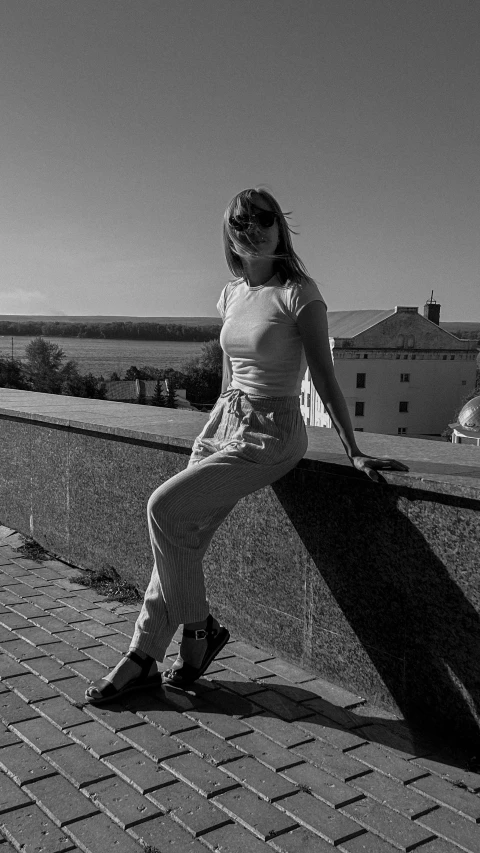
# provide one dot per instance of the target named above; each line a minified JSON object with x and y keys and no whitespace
{"x":374,"y":587}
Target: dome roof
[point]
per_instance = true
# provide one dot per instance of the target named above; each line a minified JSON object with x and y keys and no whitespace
{"x":469,"y":417}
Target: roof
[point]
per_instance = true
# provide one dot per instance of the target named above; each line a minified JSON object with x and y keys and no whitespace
{"x":347,"y":324}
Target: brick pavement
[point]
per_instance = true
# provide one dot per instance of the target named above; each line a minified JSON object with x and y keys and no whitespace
{"x":260,"y":756}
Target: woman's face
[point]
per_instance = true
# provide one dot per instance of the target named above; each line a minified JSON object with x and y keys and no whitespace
{"x":263,"y":240}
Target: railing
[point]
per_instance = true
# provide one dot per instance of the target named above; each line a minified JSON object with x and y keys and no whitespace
{"x":373,"y":586}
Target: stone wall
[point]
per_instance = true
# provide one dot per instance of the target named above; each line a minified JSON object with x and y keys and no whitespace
{"x":373,"y":586}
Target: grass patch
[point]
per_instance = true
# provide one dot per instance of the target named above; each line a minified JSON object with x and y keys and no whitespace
{"x":111,"y":585}
{"x":33,"y":551}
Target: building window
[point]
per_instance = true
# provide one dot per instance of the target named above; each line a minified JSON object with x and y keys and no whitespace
{"x":358,"y":429}
{"x":444,"y":357}
{"x":366,"y":356}
{"x":405,"y":356}
{"x":401,"y":430}
{"x":413,"y":357}
{"x":308,"y":400}
{"x":403,"y":406}
{"x":359,"y":410}
{"x":361,"y":380}
{"x":404,"y":377}
{"x":411,"y":341}
{"x":452,"y":358}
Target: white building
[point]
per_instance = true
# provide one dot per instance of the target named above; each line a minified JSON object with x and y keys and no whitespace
{"x":400,"y":373}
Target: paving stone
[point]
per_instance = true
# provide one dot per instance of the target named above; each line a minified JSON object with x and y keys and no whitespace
{"x":95,"y":629}
{"x":47,"y":573}
{"x":40,"y":734}
{"x":30,"y":687}
{"x":6,"y":634}
{"x":10,"y":667}
{"x":203,"y":777}
{"x":278,"y":731}
{"x":49,"y":670}
{"x":225,"y":727}
{"x":102,"y":654}
{"x":117,"y":641}
{"x":164,"y":834}
{"x":393,"y":794}
{"x":331,"y":759}
{"x":60,"y":712}
{"x":328,"y":731}
{"x":113,"y":716}
{"x":389,"y":825}
{"x":281,"y":706}
{"x":13,"y":620}
{"x":23,"y":764}
{"x":208,"y":746}
{"x":301,"y":840}
{"x":78,"y":765}
{"x":96,"y":738}
{"x":99,"y":834}
{"x":13,"y":709}
{"x":245,"y":650}
{"x":73,"y":688}
{"x":330,"y":824}
{"x":21,"y":650}
{"x":123,"y":804}
{"x":256,"y":777}
{"x":149,"y":706}
{"x":447,"y":794}
{"x":77,"y":639}
{"x":64,"y":653}
{"x":31,"y":831}
{"x":49,"y":622}
{"x":334,"y":694}
{"x":192,"y":811}
{"x":323,"y":785}
{"x":452,"y":771}
{"x":266,"y":751}
{"x":453,"y":827}
{"x":233,"y":705}
{"x":105,"y":617}
{"x":60,"y":800}
{"x":237,"y":683}
{"x":409,"y":746}
{"x":68,"y":614}
{"x":10,"y":598}
{"x":138,"y":770}
{"x":261,"y":818}
{"x":345,"y":718}
{"x":386,"y":762}
{"x":369,"y":843}
{"x":246,"y":668}
{"x":36,"y":636}
{"x":7,"y":738}
{"x":76,"y":601}
{"x":181,"y":701}
{"x":88,"y":669}
{"x":151,"y":742}
{"x":11,"y":796}
{"x":38,"y":600}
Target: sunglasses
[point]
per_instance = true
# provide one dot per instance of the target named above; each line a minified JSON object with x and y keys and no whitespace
{"x":264,"y":218}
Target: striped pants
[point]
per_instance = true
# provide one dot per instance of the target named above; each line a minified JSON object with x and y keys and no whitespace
{"x":247,"y":443}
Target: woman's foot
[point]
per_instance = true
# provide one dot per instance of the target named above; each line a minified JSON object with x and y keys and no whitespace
{"x":201,"y":642}
{"x":132,"y":671}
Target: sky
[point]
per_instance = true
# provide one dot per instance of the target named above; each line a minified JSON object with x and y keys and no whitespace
{"x":128,"y":125}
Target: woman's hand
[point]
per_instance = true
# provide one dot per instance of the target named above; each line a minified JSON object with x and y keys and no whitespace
{"x":370,"y":465}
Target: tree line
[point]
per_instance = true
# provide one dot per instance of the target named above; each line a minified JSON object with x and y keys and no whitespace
{"x":127,"y":330}
{"x":45,"y":368}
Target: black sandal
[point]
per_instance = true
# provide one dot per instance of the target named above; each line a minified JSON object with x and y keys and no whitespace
{"x":108,"y":692}
{"x":185,"y":675}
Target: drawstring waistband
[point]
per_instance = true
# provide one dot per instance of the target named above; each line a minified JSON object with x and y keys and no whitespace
{"x":233,"y":396}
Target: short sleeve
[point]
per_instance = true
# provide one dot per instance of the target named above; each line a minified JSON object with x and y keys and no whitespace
{"x":221,"y":304}
{"x":302,"y":294}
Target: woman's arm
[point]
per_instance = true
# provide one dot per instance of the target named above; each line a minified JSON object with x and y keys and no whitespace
{"x":226,"y":373}
{"x":313,"y":328}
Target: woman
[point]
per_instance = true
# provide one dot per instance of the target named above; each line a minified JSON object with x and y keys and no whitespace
{"x":274,"y":323}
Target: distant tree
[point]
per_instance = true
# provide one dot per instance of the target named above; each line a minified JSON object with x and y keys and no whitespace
{"x":12,"y":374}
{"x":46,"y":368}
{"x":114,"y":377}
{"x":132,"y":373}
{"x":158,"y":398}
{"x":203,"y":375}
{"x":172,"y":400}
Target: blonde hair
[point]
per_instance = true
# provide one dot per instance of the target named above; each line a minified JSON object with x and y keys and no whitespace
{"x":286,"y":261}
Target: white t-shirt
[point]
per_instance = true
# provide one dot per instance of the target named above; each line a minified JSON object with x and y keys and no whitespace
{"x":261,"y":337}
